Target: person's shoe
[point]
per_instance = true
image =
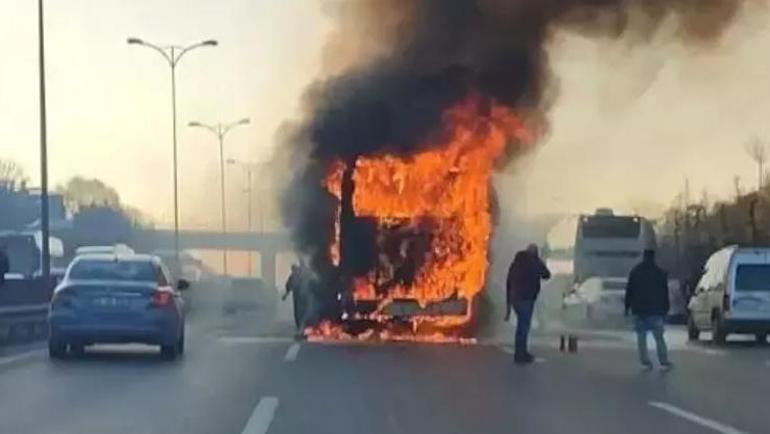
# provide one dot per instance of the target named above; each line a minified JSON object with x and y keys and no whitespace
{"x":646,"y":367}
{"x":523,"y":359}
{"x":667,"y":366}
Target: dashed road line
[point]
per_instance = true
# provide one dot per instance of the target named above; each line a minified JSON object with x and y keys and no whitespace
{"x":292,"y":352}
{"x":700,"y":420}
{"x":260,"y":420}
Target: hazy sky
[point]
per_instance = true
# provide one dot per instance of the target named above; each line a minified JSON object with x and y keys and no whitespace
{"x":109,"y":103}
{"x":631,"y":124}
{"x":629,"y":127}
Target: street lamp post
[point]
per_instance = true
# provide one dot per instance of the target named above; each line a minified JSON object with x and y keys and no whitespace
{"x":45,"y":228}
{"x":249,"y":168}
{"x":220,"y":130}
{"x":173,"y":54}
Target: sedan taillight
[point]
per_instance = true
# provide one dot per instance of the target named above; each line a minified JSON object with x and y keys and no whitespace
{"x":162,"y":297}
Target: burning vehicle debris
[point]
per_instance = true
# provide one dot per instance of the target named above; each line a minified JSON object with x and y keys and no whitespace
{"x":392,"y":200}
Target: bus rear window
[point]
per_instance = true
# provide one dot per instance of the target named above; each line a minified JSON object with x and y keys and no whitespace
{"x":752,"y":278}
{"x":611,"y":227}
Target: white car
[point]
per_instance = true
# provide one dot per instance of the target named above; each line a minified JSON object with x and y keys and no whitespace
{"x":605,"y":298}
{"x":733,"y":295}
{"x":117,"y":249}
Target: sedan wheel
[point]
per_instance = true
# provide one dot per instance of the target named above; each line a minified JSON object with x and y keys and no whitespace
{"x":77,"y":350}
{"x":168,"y":352}
{"x":180,"y":345}
{"x":56,"y":349}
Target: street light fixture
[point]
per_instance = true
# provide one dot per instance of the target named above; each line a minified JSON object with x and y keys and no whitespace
{"x":173,"y":54}
{"x":220,"y":130}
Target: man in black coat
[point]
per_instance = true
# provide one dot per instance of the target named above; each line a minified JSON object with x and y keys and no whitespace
{"x":647,"y":299}
{"x":522,"y":288}
{"x":295,"y":287}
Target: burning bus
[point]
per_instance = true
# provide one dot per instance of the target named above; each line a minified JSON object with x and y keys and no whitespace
{"x":411,"y":233}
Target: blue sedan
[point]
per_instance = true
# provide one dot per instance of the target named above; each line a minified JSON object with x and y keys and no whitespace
{"x":114,"y":298}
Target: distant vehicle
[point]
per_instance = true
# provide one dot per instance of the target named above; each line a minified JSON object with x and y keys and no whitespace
{"x":605,"y":299}
{"x":121,"y":249}
{"x":733,"y":295}
{"x":609,"y":245}
{"x":107,"y":298}
{"x":25,"y":250}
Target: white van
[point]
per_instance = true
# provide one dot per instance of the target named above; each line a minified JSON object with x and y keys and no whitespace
{"x":733,"y":296}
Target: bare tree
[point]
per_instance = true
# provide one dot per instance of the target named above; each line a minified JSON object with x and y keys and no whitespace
{"x":12,"y":176}
{"x":757,"y":150}
{"x":81,"y":192}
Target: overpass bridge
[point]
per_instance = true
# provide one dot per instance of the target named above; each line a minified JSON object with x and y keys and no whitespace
{"x":267,"y":244}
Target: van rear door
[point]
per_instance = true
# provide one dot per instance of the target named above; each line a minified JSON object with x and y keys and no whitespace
{"x":750,"y":297}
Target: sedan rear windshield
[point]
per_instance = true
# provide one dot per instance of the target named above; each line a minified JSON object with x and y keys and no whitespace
{"x":113,"y":270}
{"x":753,"y":278}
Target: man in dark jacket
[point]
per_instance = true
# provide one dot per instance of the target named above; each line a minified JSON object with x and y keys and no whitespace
{"x":522,"y":288}
{"x":294,"y":286}
{"x":4,"y":265}
{"x":647,"y":299}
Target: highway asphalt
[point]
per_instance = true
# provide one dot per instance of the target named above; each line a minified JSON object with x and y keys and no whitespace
{"x":244,"y":374}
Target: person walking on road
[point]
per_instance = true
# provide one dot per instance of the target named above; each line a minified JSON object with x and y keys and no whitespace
{"x":647,"y":300}
{"x":302,"y":285}
{"x":522,"y":288}
{"x":294,"y":287}
{"x":5,"y":265}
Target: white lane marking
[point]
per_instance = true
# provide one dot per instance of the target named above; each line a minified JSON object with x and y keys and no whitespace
{"x":260,"y":420}
{"x":692,"y":417}
{"x":292,"y":352}
{"x":20,"y":357}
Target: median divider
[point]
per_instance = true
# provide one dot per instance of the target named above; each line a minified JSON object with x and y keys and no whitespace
{"x":24,"y":323}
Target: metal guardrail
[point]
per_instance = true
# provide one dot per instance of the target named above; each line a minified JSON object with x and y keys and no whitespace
{"x":23,"y":323}
{"x":10,"y":313}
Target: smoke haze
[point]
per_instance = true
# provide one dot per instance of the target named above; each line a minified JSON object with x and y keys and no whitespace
{"x":392,"y":68}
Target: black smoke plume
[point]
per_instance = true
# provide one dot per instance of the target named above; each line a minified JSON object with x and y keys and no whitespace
{"x":396,"y":65}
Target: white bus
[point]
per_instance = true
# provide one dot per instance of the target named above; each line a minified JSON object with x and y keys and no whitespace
{"x":609,"y":245}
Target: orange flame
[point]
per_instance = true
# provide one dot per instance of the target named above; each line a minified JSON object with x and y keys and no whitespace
{"x":446,"y":187}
